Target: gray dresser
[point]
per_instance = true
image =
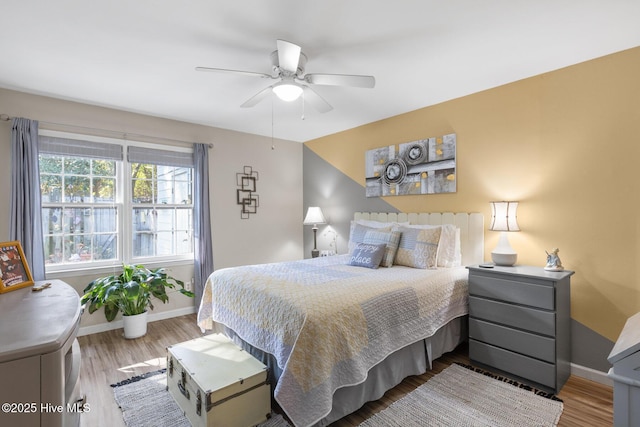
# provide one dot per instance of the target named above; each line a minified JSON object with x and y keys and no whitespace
{"x":520,"y":323}
{"x":40,"y":357}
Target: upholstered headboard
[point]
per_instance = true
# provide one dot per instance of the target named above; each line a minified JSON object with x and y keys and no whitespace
{"x":471,"y":227}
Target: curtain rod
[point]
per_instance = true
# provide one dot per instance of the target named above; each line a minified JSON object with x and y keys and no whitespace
{"x":125,"y":135}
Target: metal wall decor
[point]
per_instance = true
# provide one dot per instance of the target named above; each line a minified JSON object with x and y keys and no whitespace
{"x":246,"y":194}
{"x":425,"y":166}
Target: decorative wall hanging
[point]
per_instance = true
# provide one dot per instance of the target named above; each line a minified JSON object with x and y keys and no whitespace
{"x":246,"y":194}
{"x":14,"y":270}
{"x":426,"y":166}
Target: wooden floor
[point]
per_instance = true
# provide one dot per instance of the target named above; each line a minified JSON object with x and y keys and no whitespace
{"x":108,"y":358}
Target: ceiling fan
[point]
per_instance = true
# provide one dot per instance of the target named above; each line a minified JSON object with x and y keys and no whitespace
{"x":288,"y":66}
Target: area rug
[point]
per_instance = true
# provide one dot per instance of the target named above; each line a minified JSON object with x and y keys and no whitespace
{"x":457,"y":396}
{"x":464,"y":396}
{"x":145,"y":402}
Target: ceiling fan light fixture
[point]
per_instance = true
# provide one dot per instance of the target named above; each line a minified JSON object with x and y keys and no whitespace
{"x":287,"y":91}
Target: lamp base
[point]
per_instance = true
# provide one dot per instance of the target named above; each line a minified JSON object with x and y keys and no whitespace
{"x":506,"y":260}
{"x":315,"y":253}
{"x":503,"y":253}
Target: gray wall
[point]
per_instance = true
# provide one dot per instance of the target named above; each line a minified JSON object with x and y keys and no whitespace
{"x":338,"y":196}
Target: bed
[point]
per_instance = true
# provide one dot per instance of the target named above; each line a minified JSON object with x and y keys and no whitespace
{"x":337,"y":332}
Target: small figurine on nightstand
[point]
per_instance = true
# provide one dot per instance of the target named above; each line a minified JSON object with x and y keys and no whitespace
{"x":553,"y":261}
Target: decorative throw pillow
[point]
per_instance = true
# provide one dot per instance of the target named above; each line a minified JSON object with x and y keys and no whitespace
{"x":391,"y":240}
{"x":448,"y":246}
{"x":357,"y":232}
{"x":367,"y":255}
{"x":418,"y":247}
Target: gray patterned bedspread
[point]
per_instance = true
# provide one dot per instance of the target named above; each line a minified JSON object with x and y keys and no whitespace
{"x":328,"y":323}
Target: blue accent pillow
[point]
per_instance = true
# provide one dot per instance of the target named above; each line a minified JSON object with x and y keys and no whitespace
{"x":367,"y":255}
{"x":390,"y":238}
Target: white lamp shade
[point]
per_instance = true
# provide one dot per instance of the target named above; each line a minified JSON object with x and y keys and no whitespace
{"x":287,"y":91}
{"x":314,"y":216}
{"x":504,"y":217}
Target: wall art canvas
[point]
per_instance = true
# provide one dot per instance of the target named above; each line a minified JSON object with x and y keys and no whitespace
{"x":425,"y":166}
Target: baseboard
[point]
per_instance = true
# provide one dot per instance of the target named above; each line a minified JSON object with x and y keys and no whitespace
{"x":591,"y":374}
{"x":117,"y":324}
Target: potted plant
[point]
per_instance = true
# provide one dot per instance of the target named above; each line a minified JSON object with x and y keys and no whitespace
{"x":131,"y":292}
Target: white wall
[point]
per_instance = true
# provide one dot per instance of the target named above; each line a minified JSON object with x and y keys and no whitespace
{"x":273,"y":234}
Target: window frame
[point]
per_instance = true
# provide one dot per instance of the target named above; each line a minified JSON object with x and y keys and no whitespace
{"x":124,"y":210}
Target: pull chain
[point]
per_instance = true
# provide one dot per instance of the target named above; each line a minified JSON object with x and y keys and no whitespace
{"x":273,"y":146}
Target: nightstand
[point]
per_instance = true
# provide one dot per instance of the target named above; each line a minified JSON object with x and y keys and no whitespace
{"x":520,"y":323}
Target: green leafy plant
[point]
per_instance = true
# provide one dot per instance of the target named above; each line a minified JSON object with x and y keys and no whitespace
{"x":130,"y":291}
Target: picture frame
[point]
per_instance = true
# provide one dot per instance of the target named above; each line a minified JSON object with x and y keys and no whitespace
{"x":14,"y":269}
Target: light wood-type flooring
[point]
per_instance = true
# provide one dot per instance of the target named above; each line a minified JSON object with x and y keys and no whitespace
{"x":108,"y":358}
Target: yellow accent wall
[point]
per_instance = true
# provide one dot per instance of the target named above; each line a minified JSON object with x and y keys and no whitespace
{"x":566,"y":144}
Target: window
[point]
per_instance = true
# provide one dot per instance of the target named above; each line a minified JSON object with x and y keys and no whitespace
{"x":100,"y":208}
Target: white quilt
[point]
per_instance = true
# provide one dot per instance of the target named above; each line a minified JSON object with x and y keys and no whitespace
{"x":328,"y":323}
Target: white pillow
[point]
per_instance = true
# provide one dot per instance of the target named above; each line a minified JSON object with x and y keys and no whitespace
{"x":449,"y":254}
{"x":378,"y":224}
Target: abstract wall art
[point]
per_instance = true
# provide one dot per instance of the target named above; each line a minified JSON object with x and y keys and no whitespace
{"x":246,"y":194}
{"x":425,"y":166}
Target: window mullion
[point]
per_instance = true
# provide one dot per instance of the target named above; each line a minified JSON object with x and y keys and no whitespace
{"x":125,"y":219}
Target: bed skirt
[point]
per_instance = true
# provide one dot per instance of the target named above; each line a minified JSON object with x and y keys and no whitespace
{"x":411,"y":360}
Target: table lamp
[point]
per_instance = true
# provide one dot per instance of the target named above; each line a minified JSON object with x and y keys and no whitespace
{"x":314,"y":217}
{"x":504,"y":220}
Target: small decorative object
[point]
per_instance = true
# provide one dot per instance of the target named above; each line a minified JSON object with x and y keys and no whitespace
{"x":314,"y":217}
{"x":504,"y":220}
{"x":246,"y":194}
{"x":553,"y":261}
{"x":425,"y":166}
{"x":14,"y":270}
{"x":131,"y":292}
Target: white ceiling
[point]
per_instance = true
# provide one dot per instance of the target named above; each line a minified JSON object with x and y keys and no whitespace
{"x":140,"y":55}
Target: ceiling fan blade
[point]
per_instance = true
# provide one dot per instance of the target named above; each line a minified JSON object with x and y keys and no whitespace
{"x":315,"y":100}
{"x":257,"y":97}
{"x":341,"y":80}
{"x":288,"y":56}
{"x":244,"y":73}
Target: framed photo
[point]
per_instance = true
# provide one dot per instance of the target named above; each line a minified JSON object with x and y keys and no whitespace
{"x":14,"y":271}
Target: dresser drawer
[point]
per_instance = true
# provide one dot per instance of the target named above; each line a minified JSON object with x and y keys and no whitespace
{"x":532,"y":369}
{"x":522,"y":342}
{"x":515,"y":291}
{"x":529,"y":319}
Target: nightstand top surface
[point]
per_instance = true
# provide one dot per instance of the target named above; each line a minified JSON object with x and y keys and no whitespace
{"x":524,"y":270}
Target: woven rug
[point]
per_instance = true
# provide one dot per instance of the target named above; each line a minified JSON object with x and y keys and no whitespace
{"x":464,"y":396}
{"x":145,"y":402}
{"x":457,"y":396}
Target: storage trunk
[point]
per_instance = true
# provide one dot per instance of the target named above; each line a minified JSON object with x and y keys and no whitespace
{"x":218,"y":384}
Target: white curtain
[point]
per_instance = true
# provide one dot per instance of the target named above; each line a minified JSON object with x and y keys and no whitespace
{"x":25,"y":212}
{"x":203,"y":257}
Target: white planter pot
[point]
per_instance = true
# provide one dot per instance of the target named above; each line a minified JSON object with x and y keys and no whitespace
{"x":135,"y":326}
